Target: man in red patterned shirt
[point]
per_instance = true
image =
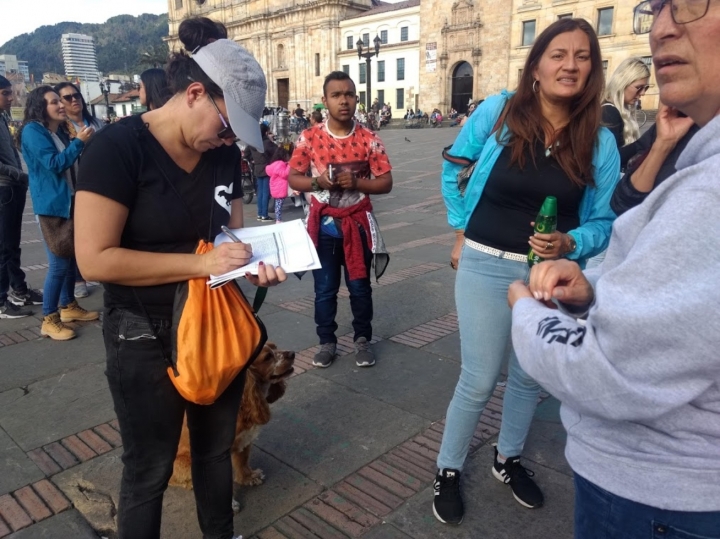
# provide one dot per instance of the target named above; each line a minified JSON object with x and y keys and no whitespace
{"x":347,"y":163}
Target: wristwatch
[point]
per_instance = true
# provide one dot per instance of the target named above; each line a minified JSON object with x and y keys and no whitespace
{"x":572,"y":244}
{"x":315,"y":185}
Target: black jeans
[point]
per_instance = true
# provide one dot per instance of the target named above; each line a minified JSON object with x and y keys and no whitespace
{"x":327,"y":284}
{"x":150,"y":412}
{"x":12,"y":204}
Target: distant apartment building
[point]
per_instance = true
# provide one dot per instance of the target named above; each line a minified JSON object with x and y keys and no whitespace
{"x":78,"y":52}
{"x":10,"y":65}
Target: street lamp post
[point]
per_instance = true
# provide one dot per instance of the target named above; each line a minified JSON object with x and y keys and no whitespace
{"x":105,"y":92}
{"x":368,"y":70}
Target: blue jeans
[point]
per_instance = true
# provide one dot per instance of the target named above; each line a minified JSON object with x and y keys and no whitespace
{"x":485,"y":321}
{"x":600,"y":514}
{"x":59,"y":283}
{"x":12,"y":204}
{"x":263,"y":195}
{"x":327,"y":284}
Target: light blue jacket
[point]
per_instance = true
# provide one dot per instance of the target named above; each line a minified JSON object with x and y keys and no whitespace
{"x":474,"y":142}
{"x":50,"y":192}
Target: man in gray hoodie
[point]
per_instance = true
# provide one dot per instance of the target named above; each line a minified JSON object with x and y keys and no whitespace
{"x":639,"y":381}
{"x":13,"y":191}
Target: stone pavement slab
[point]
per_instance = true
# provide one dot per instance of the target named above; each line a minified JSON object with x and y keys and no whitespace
{"x":67,"y":525}
{"x":447,"y":347}
{"x":28,"y":362}
{"x":402,"y":377}
{"x":326,"y":431}
{"x":17,"y":469}
{"x":291,"y":331}
{"x":58,"y":406}
{"x":491,"y":512}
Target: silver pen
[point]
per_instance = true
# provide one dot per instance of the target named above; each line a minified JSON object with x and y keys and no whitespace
{"x":229,"y":234}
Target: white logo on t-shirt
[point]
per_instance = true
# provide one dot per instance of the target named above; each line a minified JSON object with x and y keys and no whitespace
{"x":223,"y":196}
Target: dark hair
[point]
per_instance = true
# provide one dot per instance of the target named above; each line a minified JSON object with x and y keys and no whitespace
{"x":336,"y":75}
{"x":576,"y":141}
{"x":4,"y":83}
{"x":35,"y":108}
{"x":264,"y":128}
{"x":182,"y":70}
{"x":89,"y":118}
{"x":157,"y":90}
{"x":281,"y":154}
{"x":317,"y":116}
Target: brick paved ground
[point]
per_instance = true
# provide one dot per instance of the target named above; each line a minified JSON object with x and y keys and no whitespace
{"x":349,"y":453}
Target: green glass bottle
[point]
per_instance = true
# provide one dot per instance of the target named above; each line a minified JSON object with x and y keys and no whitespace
{"x":545,"y":223}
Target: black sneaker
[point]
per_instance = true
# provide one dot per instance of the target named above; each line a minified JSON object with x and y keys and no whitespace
{"x":10,"y":310}
{"x":31,"y":297}
{"x":524,"y":489}
{"x":325,"y":356}
{"x":364,"y":357}
{"x":447,"y":504}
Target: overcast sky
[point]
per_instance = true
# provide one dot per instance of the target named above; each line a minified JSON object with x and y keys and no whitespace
{"x":23,"y":16}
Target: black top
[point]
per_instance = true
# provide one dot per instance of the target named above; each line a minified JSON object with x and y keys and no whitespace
{"x":125,"y":163}
{"x":613,"y":121}
{"x":299,"y":112}
{"x":512,"y":198}
{"x":626,"y":196}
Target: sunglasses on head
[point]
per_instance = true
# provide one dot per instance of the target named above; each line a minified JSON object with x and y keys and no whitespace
{"x":226,"y":132}
{"x":70,"y":97}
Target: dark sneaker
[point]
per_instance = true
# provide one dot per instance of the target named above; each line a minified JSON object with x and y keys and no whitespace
{"x":447,"y":504}
{"x":10,"y":310}
{"x":265,"y":219}
{"x":363,"y":355}
{"x":524,"y":489}
{"x":31,"y":297}
{"x":326,"y":355}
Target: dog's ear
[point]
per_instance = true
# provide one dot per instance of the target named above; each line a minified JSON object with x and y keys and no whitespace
{"x":276,"y":391}
{"x":254,"y":409}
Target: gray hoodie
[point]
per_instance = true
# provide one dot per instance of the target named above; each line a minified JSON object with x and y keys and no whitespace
{"x":640,"y":383}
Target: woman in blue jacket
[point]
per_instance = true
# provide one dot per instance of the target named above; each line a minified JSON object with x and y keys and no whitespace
{"x":52,"y":169}
{"x":543,"y":140}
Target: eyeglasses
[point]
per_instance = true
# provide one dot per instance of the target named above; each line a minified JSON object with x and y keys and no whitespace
{"x":682,"y":11}
{"x":642,"y":88}
{"x":226,"y":132}
{"x":6,"y":93}
{"x":71,"y":97}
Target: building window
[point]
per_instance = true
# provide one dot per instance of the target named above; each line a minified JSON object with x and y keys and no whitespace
{"x":383,"y":37}
{"x":404,"y":33}
{"x":350,"y":43}
{"x":362,"y":74}
{"x":381,"y":97}
{"x":565,"y":16}
{"x":400,"y":99}
{"x":366,"y":40}
{"x":178,"y":4}
{"x":381,"y":70}
{"x":605,"y":68}
{"x":605,"y":20}
{"x":346,"y":69}
{"x":528,"y":35}
{"x":401,"y":69}
{"x":280,"y":56}
{"x":317,"y":64}
{"x":361,"y":98}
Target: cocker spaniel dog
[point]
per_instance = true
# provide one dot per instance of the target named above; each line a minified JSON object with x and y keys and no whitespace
{"x":265,"y":383}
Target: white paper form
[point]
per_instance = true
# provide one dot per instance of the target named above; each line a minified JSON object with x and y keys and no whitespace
{"x":286,"y":245}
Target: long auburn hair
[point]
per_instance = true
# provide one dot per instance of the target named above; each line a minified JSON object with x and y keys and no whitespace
{"x":523,"y":116}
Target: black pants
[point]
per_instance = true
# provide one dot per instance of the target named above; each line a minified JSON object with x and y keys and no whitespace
{"x":12,"y":205}
{"x":150,"y":412}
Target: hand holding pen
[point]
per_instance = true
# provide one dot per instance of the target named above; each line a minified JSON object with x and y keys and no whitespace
{"x":237,"y":254}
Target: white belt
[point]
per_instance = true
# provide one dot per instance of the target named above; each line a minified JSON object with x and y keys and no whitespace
{"x":495,"y":252}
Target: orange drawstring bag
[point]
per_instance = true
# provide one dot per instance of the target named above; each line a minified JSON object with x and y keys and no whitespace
{"x":215,"y":335}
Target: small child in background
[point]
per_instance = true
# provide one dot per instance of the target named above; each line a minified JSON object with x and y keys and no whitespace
{"x":278,"y":171}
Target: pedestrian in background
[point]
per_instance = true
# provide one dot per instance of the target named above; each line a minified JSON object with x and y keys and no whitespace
{"x":278,"y":171}
{"x":154,"y":88}
{"x":52,"y":166}
{"x":627,"y":85}
{"x":639,"y":380}
{"x":261,"y":158}
{"x":543,"y":140}
{"x":15,"y":295}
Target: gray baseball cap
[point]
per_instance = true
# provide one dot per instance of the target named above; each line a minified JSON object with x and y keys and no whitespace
{"x":242,"y":81}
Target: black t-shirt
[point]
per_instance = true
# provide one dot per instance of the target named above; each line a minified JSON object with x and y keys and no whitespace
{"x":613,"y":121}
{"x":512,"y":198}
{"x":299,"y":112}
{"x":125,"y":163}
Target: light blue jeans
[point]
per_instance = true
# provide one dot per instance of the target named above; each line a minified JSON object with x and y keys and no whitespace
{"x":485,"y":320}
